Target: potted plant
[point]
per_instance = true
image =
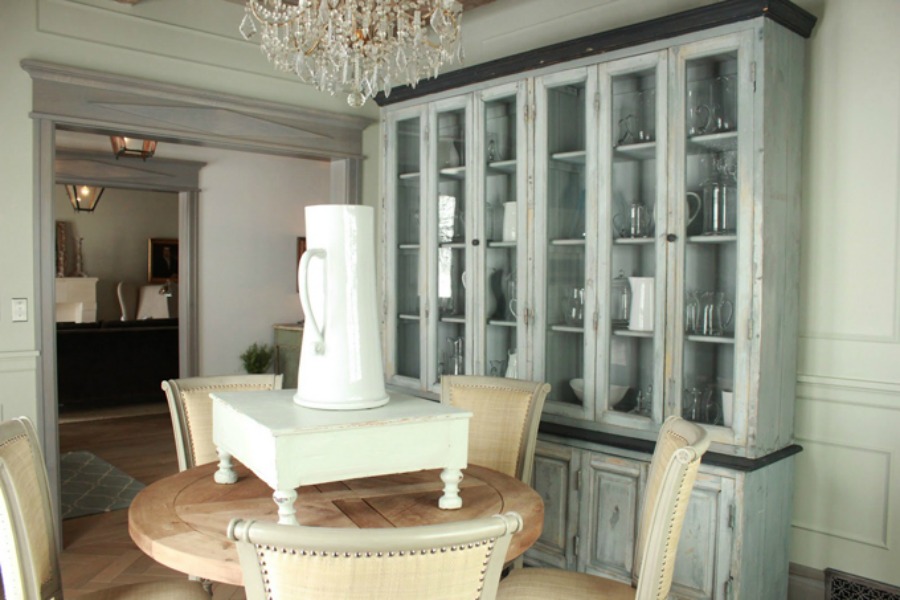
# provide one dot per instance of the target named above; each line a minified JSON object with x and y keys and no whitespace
{"x":257,"y":358}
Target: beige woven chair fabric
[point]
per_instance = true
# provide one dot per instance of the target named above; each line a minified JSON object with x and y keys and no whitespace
{"x":452,"y":561}
{"x":556,"y":584}
{"x":505,"y":416}
{"x":191,"y":409}
{"x":28,"y":536}
{"x":673,"y":470}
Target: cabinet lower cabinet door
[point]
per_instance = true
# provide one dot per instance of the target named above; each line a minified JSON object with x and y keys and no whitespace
{"x":609,"y":512}
{"x":704,"y":550}
{"x":555,"y":473}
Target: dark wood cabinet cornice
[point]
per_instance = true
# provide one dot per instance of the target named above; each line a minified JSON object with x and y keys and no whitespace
{"x":783,"y":12}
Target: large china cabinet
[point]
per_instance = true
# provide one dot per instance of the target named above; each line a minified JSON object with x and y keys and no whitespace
{"x":625,"y":226}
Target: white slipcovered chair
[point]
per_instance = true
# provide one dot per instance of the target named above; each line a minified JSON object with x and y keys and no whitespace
{"x":69,"y":312}
{"x":127,"y":294}
{"x":673,"y":470}
{"x":451,"y":561}
{"x":191,"y":410}
{"x":505,"y":418}
{"x":153,"y":303}
{"x":29,"y":536}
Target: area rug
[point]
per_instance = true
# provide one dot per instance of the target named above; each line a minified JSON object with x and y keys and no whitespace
{"x":90,"y":485}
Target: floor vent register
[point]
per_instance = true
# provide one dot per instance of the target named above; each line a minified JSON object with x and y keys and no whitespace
{"x":843,"y":586}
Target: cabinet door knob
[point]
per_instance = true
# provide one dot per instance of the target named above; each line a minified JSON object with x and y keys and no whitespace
{"x":475,"y":242}
{"x":671,"y":237}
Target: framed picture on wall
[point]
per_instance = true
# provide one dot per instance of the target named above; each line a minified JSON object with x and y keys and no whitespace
{"x":301,"y":248}
{"x":162,"y":260}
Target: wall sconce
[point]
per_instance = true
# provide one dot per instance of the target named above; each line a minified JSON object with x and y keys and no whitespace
{"x":84,"y":198}
{"x":124,"y":146}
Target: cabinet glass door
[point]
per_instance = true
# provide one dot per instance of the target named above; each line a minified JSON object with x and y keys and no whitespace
{"x":564,"y":303}
{"x":406,"y":163}
{"x":715,"y":225}
{"x":502,"y":261}
{"x":633,"y":220}
{"x":450,"y":223}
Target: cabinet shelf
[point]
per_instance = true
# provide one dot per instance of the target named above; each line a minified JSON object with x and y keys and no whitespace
{"x":506,"y":167}
{"x":453,"y":245}
{"x":626,"y":241}
{"x":633,"y":334}
{"x":642,"y":151}
{"x":575,"y":157}
{"x":458,"y":319}
{"x":411,"y":176}
{"x":408,"y":246}
{"x":501,"y":244}
{"x":716,"y":142}
{"x":454,"y":173}
{"x":567,"y":242}
{"x":710,"y":339}
{"x":712,"y":239}
{"x":567,"y":329}
{"x":501,"y":323}
{"x":404,"y":317}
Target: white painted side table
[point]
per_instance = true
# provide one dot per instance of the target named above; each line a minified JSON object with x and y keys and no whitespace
{"x":287,"y":445}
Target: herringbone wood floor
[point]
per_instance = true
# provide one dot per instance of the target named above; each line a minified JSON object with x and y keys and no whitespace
{"x":97,"y":550}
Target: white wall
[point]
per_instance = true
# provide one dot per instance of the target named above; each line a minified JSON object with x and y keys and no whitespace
{"x":251,"y":213}
{"x":847,"y":414}
{"x":115,"y":237}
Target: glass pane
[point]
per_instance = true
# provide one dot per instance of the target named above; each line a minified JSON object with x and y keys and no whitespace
{"x":408,"y":237}
{"x":633,"y":257}
{"x":451,"y":255}
{"x":500,"y":230}
{"x":711,"y":225}
{"x":565,"y":238}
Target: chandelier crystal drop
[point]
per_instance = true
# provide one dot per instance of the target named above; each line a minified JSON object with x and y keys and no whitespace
{"x":360,"y":47}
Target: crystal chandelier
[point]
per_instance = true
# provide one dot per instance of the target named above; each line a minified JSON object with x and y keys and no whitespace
{"x":360,"y":47}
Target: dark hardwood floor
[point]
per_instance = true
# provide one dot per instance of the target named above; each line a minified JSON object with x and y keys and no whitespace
{"x":97,"y":550}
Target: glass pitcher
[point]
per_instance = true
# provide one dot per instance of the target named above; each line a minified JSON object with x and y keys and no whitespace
{"x":720,"y":199}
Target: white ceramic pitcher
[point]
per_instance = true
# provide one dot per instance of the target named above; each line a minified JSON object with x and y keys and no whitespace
{"x":340,"y":359}
{"x":641,"y":318}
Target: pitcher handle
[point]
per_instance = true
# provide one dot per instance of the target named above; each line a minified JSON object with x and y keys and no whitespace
{"x":727,"y":322}
{"x":692,"y":215}
{"x":302,"y":281}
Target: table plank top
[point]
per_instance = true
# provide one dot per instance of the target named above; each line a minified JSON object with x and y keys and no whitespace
{"x":181,"y":520}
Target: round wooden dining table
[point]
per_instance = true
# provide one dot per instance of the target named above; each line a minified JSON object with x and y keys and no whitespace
{"x":180,"y":521}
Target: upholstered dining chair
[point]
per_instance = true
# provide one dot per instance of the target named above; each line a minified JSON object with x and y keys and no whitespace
{"x":28,"y":532}
{"x":673,"y":470}
{"x":191,"y":410}
{"x":450,"y":561}
{"x":505,"y":418}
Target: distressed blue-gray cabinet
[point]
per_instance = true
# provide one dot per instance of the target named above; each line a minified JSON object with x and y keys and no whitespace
{"x":625,"y":226}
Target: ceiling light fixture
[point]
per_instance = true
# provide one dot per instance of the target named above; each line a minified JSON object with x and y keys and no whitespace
{"x":84,"y":198}
{"x":125,"y":146}
{"x":360,"y":47}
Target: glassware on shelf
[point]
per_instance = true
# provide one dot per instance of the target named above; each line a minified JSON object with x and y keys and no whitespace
{"x":573,"y":307}
{"x":498,"y":368}
{"x":620,"y":301}
{"x":692,"y":314}
{"x":512,"y":365}
{"x":455,"y":361}
{"x":492,"y":150}
{"x":513,"y":298}
{"x":720,"y":198}
{"x":636,"y":222}
{"x":718,"y":312}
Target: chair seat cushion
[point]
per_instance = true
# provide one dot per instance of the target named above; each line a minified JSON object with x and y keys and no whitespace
{"x":556,"y":584}
{"x":171,"y":589}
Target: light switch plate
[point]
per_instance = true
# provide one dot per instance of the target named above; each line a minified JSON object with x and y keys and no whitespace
{"x":19,"y":310}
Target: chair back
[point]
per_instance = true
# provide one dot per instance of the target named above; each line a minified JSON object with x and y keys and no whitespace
{"x":450,"y":561}
{"x":191,"y":410}
{"x":505,"y":418}
{"x":28,"y":536}
{"x":673,"y":470}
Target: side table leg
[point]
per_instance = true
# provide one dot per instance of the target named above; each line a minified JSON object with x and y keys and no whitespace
{"x":225,"y":472}
{"x":451,"y":499}
{"x":285,"y":501}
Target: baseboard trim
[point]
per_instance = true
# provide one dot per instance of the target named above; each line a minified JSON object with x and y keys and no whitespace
{"x":805,"y":583}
